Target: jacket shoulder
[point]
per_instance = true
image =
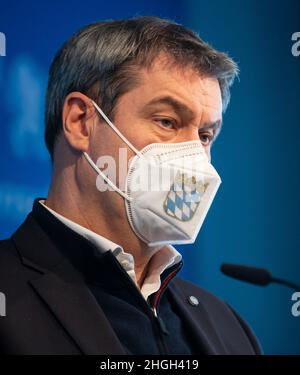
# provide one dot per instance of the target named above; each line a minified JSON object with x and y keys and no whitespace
{"x":212,"y":303}
{"x":189,"y":287}
{"x":220,"y":312}
{"x":13,"y":273}
{"x":8,"y":256}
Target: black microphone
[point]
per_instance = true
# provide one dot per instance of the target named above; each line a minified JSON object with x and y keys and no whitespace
{"x":253,"y":275}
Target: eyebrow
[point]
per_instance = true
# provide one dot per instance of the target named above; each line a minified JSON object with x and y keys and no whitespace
{"x":172,"y":102}
{"x":183,"y":109}
{"x":215,"y":126}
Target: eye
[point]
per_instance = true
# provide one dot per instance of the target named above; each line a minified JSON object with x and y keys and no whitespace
{"x":166,"y":122}
{"x":206,"y":138}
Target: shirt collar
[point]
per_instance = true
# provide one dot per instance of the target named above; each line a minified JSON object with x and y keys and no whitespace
{"x":163,"y":259}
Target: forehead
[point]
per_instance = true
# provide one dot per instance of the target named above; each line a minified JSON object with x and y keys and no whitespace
{"x":200,"y":93}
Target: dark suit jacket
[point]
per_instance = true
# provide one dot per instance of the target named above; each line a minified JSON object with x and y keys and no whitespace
{"x":50,"y":310}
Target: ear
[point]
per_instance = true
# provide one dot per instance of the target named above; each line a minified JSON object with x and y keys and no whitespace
{"x":77,"y":119}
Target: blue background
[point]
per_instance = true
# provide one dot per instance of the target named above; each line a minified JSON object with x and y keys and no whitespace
{"x":255,"y":216}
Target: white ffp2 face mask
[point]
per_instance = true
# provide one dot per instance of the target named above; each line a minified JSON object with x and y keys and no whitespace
{"x":169,"y":189}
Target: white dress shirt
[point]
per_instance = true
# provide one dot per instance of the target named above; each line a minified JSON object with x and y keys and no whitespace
{"x":164,"y":258}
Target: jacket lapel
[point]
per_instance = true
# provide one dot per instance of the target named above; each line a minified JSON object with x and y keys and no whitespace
{"x":63,"y":290}
{"x":79,"y":313}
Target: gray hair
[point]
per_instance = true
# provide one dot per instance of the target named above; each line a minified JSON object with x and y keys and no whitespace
{"x":102,"y":61}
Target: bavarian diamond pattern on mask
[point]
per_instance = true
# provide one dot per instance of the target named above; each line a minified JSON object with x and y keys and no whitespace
{"x":182,"y":199}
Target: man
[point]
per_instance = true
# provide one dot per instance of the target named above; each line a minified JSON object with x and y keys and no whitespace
{"x":91,"y":270}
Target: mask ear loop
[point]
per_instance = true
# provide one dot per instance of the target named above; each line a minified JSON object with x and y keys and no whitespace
{"x":105,"y":178}
{"x":94,"y":166}
{"x":116,"y":130}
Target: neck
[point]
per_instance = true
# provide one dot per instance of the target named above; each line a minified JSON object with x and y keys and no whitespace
{"x":103,"y":213}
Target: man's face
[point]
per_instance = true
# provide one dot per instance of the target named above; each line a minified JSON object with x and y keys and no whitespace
{"x":169,"y":105}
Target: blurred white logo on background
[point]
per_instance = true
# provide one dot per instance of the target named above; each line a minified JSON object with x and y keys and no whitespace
{"x":2,"y":304}
{"x":25,"y":89}
{"x":296,"y":45}
{"x":2,"y":44}
{"x":296,"y":305}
